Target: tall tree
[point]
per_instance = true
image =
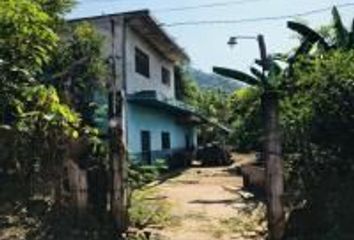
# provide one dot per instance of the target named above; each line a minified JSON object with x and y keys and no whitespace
{"x":30,"y":112}
{"x":78,"y":69}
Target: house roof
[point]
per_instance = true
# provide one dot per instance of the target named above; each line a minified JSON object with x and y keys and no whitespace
{"x":148,"y":28}
{"x":156,"y":100}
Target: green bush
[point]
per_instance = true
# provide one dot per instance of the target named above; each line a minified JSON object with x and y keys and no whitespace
{"x":318,"y":126}
{"x":246,"y":124}
{"x":140,"y":174}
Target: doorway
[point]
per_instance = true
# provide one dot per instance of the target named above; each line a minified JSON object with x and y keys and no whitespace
{"x":146,"y":146}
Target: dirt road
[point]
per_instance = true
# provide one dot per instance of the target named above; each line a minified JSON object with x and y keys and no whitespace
{"x":210,"y":204}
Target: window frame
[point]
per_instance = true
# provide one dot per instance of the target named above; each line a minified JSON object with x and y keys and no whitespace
{"x":165,"y":72}
{"x":145,"y":153}
{"x":142,"y":62}
{"x":165,"y":140}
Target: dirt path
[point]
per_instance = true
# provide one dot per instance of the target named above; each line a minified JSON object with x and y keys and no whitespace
{"x":207,"y":201}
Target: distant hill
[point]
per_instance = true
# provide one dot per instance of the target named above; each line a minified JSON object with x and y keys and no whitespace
{"x":213,"y":81}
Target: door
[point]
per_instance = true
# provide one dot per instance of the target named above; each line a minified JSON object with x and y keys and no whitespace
{"x":146,"y":146}
{"x":188,"y":143}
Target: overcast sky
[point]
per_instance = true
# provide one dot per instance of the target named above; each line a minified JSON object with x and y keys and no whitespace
{"x":206,"y":44}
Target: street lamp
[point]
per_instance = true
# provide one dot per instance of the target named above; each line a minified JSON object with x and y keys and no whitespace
{"x":233,"y":40}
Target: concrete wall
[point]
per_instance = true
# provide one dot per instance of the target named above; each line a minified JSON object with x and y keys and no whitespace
{"x":137,"y":82}
{"x":142,"y":118}
{"x":104,"y":28}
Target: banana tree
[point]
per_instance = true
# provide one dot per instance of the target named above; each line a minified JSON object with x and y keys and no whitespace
{"x":268,"y":80}
{"x":337,"y":37}
{"x":341,"y":38}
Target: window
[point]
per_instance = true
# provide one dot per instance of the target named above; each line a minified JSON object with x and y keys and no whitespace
{"x":142,"y":63}
{"x":166,"y":76}
{"x":166,"y":141}
{"x":146,"y":146}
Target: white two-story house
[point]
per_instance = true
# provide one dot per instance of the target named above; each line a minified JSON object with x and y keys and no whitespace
{"x":155,"y":124}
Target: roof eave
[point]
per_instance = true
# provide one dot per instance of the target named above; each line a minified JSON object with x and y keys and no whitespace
{"x":150,"y":21}
{"x":156,"y":27}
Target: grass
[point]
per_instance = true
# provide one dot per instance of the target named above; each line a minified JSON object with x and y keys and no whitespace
{"x":245,"y":223}
{"x":150,"y":212}
{"x":148,"y":209}
{"x":250,"y":221}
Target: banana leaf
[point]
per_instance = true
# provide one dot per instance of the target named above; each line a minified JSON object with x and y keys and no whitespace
{"x":237,"y":75}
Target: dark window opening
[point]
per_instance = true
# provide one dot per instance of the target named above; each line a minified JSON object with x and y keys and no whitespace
{"x":146,"y":147}
{"x":142,"y":63}
{"x":166,"y":76}
{"x":179,"y":89}
{"x":166,"y":140}
{"x":188,"y":143}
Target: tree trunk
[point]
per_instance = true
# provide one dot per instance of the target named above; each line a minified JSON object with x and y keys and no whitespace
{"x":78,"y":186}
{"x":117,"y":157}
{"x":274,"y":166}
{"x":118,"y":166}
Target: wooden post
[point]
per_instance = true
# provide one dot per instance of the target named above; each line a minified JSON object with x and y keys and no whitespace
{"x":77,"y":173}
{"x":274,"y":166}
{"x":117,"y":154}
{"x":118,"y":174}
{"x":78,"y":186}
{"x":272,"y":151}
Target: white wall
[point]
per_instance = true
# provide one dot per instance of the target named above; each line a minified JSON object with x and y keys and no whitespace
{"x":137,"y":82}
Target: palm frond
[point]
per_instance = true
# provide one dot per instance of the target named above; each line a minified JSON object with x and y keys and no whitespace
{"x":266,"y":65}
{"x":308,"y":33}
{"x":341,"y":33}
{"x":237,"y":75}
{"x":256,"y":72}
{"x":303,"y":49}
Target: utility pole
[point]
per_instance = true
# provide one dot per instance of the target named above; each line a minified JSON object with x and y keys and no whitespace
{"x":272,"y":150}
{"x":117,"y":152}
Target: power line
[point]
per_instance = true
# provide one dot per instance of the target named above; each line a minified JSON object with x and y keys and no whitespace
{"x":183,"y":8}
{"x":201,"y":6}
{"x":259,"y":19}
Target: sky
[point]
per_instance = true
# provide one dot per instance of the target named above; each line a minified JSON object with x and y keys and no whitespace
{"x":207,"y":44}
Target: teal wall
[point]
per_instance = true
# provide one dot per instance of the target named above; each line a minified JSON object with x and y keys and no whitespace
{"x":141,"y":118}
